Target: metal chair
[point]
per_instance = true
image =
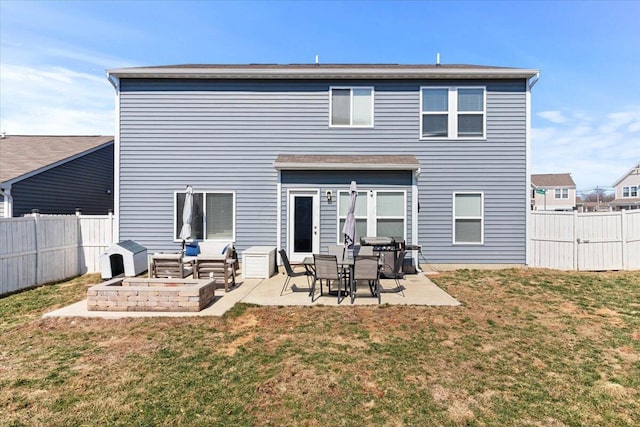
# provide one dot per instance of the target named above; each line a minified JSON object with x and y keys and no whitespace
{"x":395,"y":273}
{"x":326,"y":268}
{"x":366,"y":267}
{"x":289,"y":270}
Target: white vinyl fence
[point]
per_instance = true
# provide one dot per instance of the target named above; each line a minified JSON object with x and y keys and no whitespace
{"x":586,"y":242}
{"x":37,"y":249}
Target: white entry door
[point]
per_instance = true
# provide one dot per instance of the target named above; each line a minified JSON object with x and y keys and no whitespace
{"x":304,"y":224}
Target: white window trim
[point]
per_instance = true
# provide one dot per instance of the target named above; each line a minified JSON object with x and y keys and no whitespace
{"x":204,"y":214}
{"x":452,"y":114}
{"x":628,"y":192}
{"x":351,"y":88}
{"x":372,"y":214}
{"x":562,"y":191}
{"x":453,"y":218}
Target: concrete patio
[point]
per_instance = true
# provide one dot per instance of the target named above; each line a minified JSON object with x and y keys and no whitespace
{"x":417,"y":289}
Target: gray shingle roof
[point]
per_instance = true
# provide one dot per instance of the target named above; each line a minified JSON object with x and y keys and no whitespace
{"x":289,"y":161}
{"x":20,"y":155}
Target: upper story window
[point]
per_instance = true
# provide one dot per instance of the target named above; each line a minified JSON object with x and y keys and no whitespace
{"x":561,"y":193}
{"x":452,"y":112}
{"x":351,"y":106}
{"x":631,"y":191}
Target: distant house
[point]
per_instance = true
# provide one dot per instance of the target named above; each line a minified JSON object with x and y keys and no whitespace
{"x":553,"y":192}
{"x":628,"y":190}
{"x":56,"y":174}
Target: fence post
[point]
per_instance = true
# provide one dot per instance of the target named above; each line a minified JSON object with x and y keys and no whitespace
{"x":576,"y":251}
{"x":36,"y":217}
{"x":623,"y":230}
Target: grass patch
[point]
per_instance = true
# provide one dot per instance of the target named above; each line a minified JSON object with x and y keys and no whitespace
{"x":527,"y":347}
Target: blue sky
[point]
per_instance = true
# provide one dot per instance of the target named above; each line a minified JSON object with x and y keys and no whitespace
{"x":585,"y":108}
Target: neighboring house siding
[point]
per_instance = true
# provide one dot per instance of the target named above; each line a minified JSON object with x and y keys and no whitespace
{"x":629,"y":180}
{"x":219,"y":135}
{"x":552,"y":203}
{"x":1,"y":207}
{"x":81,"y":183}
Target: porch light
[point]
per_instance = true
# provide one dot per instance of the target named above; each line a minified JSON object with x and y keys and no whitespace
{"x":329,"y":195}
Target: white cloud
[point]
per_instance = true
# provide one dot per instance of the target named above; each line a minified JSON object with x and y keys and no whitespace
{"x":595,"y":148}
{"x":55,"y":100}
{"x":553,"y":116}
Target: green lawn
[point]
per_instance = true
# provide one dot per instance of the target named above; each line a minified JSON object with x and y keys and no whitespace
{"x":527,"y":347}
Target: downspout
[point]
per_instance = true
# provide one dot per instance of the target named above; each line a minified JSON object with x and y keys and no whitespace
{"x":527,"y":249}
{"x":8,"y":201}
{"x":414,"y":218}
{"x":115,"y":82}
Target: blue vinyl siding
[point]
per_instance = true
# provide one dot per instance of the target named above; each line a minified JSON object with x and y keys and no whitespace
{"x":226,"y":135}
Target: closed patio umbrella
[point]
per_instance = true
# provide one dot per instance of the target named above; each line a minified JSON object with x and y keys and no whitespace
{"x":349,"y":228}
{"x":187,"y":216}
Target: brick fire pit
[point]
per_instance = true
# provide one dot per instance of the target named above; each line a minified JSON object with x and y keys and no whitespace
{"x":141,"y":294}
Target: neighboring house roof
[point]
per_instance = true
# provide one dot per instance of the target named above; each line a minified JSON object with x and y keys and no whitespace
{"x":636,"y":166}
{"x":347,"y":162}
{"x":23,"y":156}
{"x":552,"y":180}
{"x":333,"y":71}
{"x":635,"y":201}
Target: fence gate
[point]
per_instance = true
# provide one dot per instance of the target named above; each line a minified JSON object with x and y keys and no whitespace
{"x":587,"y":241}
{"x":599,"y":242}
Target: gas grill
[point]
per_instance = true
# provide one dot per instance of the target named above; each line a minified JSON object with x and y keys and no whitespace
{"x":387,"y":247}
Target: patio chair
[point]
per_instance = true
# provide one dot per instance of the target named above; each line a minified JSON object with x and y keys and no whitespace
{"x":395,"y":272}
{"x":289,"y":270}
{"x":216,"y":267}
{"x":326,"y":268}
{"x":337,"y":250}
{"x":168,"y":265}
{"x":367,"y":267}
{"x":364,"y":250}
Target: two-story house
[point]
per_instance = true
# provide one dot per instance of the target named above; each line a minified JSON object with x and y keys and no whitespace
{"x":553,"y":192}
{"x":628,"y":190}
{"x":439,"y":154}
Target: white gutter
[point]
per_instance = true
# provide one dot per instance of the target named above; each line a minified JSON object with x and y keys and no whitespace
{"x":115,"y":82}
{"x":283,"y":72}
{"x":5,"y":192}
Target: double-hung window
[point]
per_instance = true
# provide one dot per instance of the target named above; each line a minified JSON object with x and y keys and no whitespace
{"x":631,"y":191}
{"x":378,"y":213}
{"x":468,"y":218}
{"x":213,"y":215}
{"x":351,"y":106}
{"x":452,"y":112}
{"x":561,"y":193}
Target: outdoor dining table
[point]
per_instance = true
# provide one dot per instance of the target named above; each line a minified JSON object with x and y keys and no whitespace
{"x":346,"y":262}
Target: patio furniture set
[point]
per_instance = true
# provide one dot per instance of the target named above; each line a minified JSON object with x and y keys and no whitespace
{"x":345,"y":268}
{"x":211,"y":260}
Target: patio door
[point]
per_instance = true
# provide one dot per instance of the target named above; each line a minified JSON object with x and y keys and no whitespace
{"x":303,"y":224}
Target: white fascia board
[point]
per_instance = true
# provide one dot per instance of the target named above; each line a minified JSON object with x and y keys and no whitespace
{"x":636,"y":166}
{"x":322,"y":73}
